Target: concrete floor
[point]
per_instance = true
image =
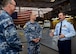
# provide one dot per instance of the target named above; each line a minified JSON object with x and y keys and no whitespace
{"x":46,"y":40}
{"x":44,"y":50}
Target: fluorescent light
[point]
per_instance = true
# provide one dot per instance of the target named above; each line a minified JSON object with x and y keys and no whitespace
{"x":52,"y":1}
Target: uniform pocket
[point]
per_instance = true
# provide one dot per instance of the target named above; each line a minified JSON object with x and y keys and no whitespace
{"x":64,"y":28}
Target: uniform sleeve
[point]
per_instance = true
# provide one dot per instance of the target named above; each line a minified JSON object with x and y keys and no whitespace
{"x":56,"y":31}
{"x":40,"y":32}
{"x":10,"y":33}
{"x":13,"y":37}
{"x":28,"y":34}
{"x":71,"y":31}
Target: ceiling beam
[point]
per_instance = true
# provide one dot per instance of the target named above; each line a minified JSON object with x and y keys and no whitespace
{"x":34,"y":4}
{"x":58,"y":3}
{"x":23,"y":3}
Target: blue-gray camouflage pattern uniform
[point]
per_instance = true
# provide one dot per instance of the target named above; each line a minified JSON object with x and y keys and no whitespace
{"x":32,"y":31}
{"x":8,"y":35}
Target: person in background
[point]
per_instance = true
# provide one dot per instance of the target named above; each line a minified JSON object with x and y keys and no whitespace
{"x":9,"y":40}
{"x":65,"y":31}
{"x":33,"y":34}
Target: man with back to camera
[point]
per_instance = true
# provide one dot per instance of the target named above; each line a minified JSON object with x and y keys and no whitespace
{"x":33,"y":35}
{"x":9,"y":41}
{"x":65,"y":31}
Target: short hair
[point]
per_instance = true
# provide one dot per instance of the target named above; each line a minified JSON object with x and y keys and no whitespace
{"x":63,"y":13}
{"x":5,"y":2}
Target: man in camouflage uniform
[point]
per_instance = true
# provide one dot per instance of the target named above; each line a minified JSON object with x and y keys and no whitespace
{"x":33,"y":35}
{"x":9,"y":41}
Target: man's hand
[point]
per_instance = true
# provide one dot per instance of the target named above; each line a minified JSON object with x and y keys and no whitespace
{"x":61,"y":36}
{"x":51,"y":34}
{"x":36,"y":40}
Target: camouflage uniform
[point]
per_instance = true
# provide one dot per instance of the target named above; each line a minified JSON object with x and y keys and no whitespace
{"x":8,"y":35}
{"x":32,"y":31}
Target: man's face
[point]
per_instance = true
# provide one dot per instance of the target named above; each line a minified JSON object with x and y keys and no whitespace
{"x":12,"y":6}
{"x":61,"y":16}
{"x":33,"y":16}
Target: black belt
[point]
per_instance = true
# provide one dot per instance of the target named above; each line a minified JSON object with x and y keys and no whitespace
{"x":64,"y":40}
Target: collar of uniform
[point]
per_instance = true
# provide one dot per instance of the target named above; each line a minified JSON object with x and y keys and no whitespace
{"x":63,"y":21}
{"x":32,"y":23}
{"x":6,"y":12}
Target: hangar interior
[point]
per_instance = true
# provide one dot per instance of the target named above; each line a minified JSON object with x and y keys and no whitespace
{"x":46,"y":12}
